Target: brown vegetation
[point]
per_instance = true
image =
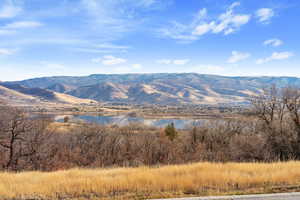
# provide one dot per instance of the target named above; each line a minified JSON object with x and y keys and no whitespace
{"x":273,"y":134}
{"x":142,"y":183}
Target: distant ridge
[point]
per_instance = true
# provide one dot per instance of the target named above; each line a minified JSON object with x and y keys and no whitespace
{"x":161,"y":88}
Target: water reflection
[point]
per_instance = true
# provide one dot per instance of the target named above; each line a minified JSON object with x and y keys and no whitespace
{"x":124,"y":120}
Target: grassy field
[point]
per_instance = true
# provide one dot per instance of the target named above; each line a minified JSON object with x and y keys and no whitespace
{"x":144,"y":182}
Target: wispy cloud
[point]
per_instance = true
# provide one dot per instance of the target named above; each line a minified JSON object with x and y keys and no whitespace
{"x":275,"y":56}
{"x":273,"y":42}
{"x":98,"y":22}
{"x":174,"y":62}
{"x":112,"y":19}
{"x":226,"y":23}
{"x":50,"y":40}
{"x":4,"y":51}
{"x":22,"y":24}
{"x":90,"y":50}
{"x":109,"y":60}
{"x":238,"y":56}
{"x":111,"y":46}
{"x":181,"y":62}
{"x":16,"y":27}
{"x":9,"y":9}
{"x":102,"y":48}
{"x":264,"y":15}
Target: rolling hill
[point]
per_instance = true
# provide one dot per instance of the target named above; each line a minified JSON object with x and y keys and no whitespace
{"x":18,"y":94}
{"x":15,"y":97}
{"x":164,"y":88}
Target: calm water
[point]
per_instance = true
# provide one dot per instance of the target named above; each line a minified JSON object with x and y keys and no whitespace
{"x":123,"y":120}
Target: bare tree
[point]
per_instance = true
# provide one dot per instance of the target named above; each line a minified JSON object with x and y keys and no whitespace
{"x":279,"y":109}
{"x":20,"y":136}
{"x":268,"y":105}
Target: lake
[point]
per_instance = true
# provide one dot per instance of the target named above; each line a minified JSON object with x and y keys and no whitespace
{"x":123,"y":120}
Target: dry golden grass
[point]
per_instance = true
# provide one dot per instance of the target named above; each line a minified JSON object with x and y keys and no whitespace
{"x":144,"y":182}
{"x":60,"y":127}
{"x":72,"y":100}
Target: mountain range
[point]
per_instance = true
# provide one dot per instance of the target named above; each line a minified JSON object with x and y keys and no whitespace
{"x":161,"y":88}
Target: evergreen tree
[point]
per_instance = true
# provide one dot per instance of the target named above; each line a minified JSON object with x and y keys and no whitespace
{"x":171,"y":132}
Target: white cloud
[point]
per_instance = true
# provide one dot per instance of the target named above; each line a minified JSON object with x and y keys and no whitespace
{"x":204,"y":28}
{"x":23,"y":24}
{"x":275,"y":56}
{"x":234,"y":4}
{"x":226,"y":23}
{"x":230,"y":22}
{"x":264,"y":15}
{"x":9,"y":9}
{"x":102,"y":48}
{"x":124,"y":6}
{"x":55,"y":40}
{"x":111,"y":46}
{"x":175,"y":62}
{"x":109,"y":60}
{"x":238,"y":56}
{"x":91,"y":50}
{"x":101,"y":22}
{"x":273,"y":42}
{"x":112,"y":18}
{"x":137,"y":66}
{"x":7,"y":52}
{"x":181,"y":62}
{"x":12,"y":28}
{"x":178,"y":35}
{"x":201,"y":14}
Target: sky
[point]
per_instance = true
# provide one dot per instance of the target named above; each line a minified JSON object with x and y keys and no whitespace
{"x":82,"y":37}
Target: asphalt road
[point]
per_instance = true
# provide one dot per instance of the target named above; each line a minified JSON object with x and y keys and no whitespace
{"x":282,"y":196}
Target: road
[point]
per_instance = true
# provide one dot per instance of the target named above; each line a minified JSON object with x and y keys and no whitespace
{"x":282,"y":196}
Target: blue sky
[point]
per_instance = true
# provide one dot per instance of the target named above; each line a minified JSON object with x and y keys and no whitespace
{"x":82,"y":37}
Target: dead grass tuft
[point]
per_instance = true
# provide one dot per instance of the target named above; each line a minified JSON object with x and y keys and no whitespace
{"x":145,"y":182}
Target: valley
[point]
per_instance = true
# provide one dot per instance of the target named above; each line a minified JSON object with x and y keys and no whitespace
{"x":124,"y":124}
{"x":149,"y":96}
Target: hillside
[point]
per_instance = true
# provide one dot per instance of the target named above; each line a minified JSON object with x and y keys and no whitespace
{"x":18,"y":94}
{"x":157,"y":88}
{"x":15,"y":97}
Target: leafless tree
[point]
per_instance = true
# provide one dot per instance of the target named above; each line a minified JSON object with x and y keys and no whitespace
{"x":20,"y":137}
